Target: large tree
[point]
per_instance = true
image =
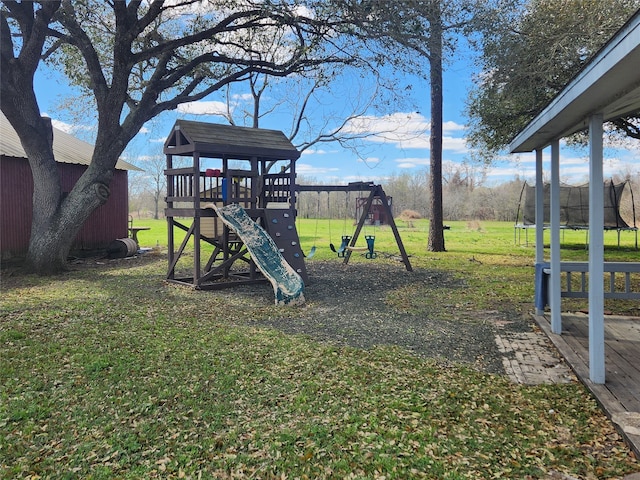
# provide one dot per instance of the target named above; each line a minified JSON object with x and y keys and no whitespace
{"x":414,"y":31}
{"x":529,"y":56}
{"x":432,"y":30}
{"x":135,"y":60}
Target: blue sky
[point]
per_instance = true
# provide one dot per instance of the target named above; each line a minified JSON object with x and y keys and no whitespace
{"x":399,"y":141}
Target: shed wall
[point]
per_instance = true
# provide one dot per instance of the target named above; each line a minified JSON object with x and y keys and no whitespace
{"x":105,"y":224}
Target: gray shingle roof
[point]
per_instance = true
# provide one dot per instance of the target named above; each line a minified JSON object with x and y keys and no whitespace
{"x":66,"y":148}
{"x":213,"y":139}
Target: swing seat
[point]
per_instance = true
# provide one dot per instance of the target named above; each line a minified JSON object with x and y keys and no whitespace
{"x":343,"y":245}
{"x":369,"y":248}
{"x":370,"y":243}
{"x":311,"y":253}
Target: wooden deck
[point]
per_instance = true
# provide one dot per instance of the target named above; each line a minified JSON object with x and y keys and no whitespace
{"x":620,"y":395}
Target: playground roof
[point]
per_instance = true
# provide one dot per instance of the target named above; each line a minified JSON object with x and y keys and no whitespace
{"x":216,"y":141}
{"x":609,"y":85}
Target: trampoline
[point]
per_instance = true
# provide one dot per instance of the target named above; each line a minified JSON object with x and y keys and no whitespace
{"x":619,"y":209}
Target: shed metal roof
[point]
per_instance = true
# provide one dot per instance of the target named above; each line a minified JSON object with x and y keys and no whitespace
{"x":217,"y":140}
{"x":66,"y":148}
{"x":609,"y":85}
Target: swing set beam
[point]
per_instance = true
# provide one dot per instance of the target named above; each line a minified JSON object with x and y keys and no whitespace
{"x":375,"y":191}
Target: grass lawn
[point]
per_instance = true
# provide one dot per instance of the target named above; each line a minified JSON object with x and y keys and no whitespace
{"x":109,"y":372}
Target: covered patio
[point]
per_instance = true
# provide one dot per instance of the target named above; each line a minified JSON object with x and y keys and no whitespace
{"x":604,"y":352}
{"x":619,"y":396}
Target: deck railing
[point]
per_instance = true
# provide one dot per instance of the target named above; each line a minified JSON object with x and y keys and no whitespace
{"x":623,"y":280}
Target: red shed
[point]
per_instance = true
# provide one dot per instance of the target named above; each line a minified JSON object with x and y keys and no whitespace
{"x":106,"y":224}
{"x":377,"y":212}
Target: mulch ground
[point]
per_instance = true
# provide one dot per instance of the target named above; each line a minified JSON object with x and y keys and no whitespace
{"x":346,"y":305}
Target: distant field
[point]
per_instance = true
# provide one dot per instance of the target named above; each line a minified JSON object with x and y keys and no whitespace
{"x":470,"y":237}
{"x":501,"y":258}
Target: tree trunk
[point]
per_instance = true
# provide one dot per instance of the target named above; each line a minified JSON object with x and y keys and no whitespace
{"x":435,"y":241}
{"x":56,"y":220}
{"x":52,"y":237}
{"x":49,"y":243}
{"x":156,"y":201}
{"x":42,"y":256}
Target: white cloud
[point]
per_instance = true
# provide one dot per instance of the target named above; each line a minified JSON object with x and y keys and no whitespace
{"x":203,"y":108}
{"x":343,"y":180}
{"x":406,"y":130}
{"x":242,"y":97}
{"x":65,"y":127}
{"x":311,"y":151}
{"x":307,"y":169}
{"x":402,"y":123}
{"x":456,"y":145}
{"x":569,"y":161}
{"x":450,"y":144}
{"x":412,"y":162}
{"x":370,"y":161}
{"x":452,"y":127}
{"x":509,"y":171}
{"x":69,"y":128}
{"x":304,"y":11}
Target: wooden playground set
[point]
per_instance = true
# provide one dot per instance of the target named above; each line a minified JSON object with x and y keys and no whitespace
{"x":220,"y":175}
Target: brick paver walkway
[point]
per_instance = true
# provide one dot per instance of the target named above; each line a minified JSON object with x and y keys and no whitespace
{"x":530,"y":358}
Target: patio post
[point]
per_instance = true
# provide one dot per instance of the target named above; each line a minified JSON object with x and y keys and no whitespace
{"x":539,"y":219}
{"x":555,"y":286}
{"x":596,"y":251}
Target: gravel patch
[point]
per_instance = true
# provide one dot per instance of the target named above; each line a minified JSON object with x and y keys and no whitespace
{"x":346,"y":305}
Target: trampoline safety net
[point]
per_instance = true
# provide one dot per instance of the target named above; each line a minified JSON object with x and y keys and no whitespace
{"x":619,"y":208}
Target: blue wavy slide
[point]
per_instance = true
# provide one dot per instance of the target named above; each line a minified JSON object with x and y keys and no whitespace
{"x":287,"y":284}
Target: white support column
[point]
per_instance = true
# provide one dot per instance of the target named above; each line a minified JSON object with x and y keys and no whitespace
{"x":539,"y":219}
{"x":596,"y":252}
{"x":554,"y":285}
{"x":539,"y":208}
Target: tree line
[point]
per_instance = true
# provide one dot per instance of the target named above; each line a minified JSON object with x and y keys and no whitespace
{"x":466,"y":196}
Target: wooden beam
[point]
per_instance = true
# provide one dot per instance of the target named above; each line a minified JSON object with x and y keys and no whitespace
{"x":351,"y":187}
{"x":394,"y":228}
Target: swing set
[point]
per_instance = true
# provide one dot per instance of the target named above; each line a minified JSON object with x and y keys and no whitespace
{"x":348,"y":242}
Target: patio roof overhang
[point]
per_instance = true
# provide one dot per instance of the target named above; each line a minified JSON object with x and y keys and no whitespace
{"x":609,"y":85}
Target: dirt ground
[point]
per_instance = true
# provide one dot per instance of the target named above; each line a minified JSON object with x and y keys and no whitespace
{"x":346,"y":305}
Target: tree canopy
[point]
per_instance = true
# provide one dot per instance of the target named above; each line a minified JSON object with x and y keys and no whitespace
{"x":529,"y":56}
{"x":134,"y":60}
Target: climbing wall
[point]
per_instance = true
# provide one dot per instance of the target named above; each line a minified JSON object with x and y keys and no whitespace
{"x":281,"y":226}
